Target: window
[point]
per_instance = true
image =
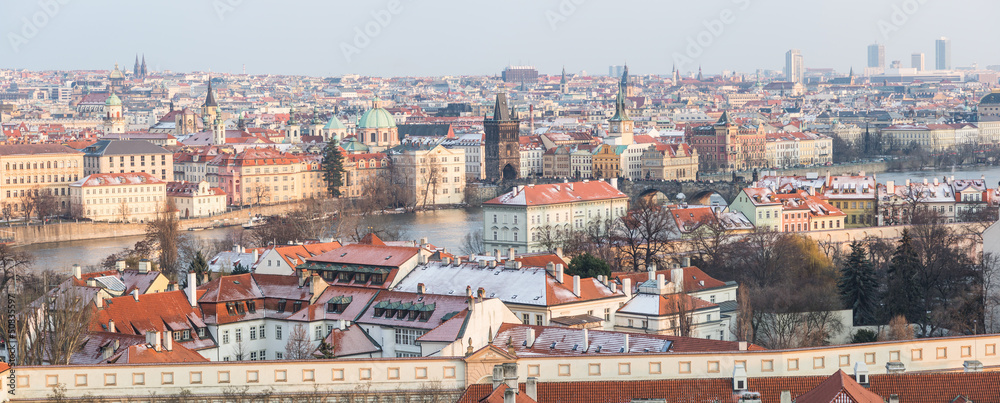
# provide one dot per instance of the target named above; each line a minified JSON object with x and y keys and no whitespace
{"x":253,"y":332}
{"x":319,"y":332}
{"x":252,"y":306}
{"x":263,"y":335}
{"x":277,"y":332}
{"x":538,"y":320}
{"x":407,"y":336}
{"x":225,"y":337}
{"x":239,"y":335}
{"x":526,"y":318}
{"x":278,"y":355}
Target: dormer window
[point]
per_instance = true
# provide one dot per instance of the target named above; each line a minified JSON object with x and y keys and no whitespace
{"x":281,"y":305}
{"x":379,"y":312}
{"x":252,"y":306}
{"x":231,"y":308}
{"x":297,"y":306}
{"x":240,"y":309}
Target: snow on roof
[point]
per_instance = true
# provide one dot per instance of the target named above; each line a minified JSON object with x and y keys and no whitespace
{"x":538,"y":195}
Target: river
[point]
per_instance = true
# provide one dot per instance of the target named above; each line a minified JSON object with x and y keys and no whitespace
{"x":443,"y":228}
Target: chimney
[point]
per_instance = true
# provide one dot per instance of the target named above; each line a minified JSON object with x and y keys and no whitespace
{"x":861,"y":373}
{"x":316,"y":286}
{"x":468,"y":291}
{"x":302,"y":277}
{"x":895,"y":367}
{"x":510,"y":375}
{"x":786,"y":396}
{"x":144,"y":266}
{"x":742,"y":346}
{"x":559,"y":272}
{"x":420,"y":288}
{"x":677,"y":277}
{"x":739,"y":378}
{"x":192,"y":290}
{"x":893,"y":398}
{"x":550,"y":268}
{"x":890,"y":187}
{"x":150,"y":338}
{"x":907,"y":183}
{"x":458,"y":261}
{"x":661,"y":283}
{"x":493,"y":263}
{"x":973,"y":366}
{"x":77,"y":271}
{"x":627,"y":287}
{"x":614,"y":183}
{"x":111,"y":326}
{"x":421,"y":259}
{"x":586,"y":340}
{"x":483,"y":263}
{"x":686,"y":261}
{"x":168,"y":340}
{"x":559,"y":251}
{"x":99,"y":300}
{"x":531,"y":388}
{"x":120,"y":266}
{"x":935,"y":181}
{"x":497,"y":375}
{"x":626,"y":348}
{"x":472,"y":303}
{"x":530,"y":339}
{"x":447,"y":261}
{"x":256,"y":255}
{"x":343,"y":325}
{"x":135,"y":294}
{"x":511,"y":253}
{"x":496,"y":253}
{"x":651,"y":270}
{"x":157,"y":343}
{"x":614,"y":287}
{"x":423,"y":242}
{"x":509,"y":396}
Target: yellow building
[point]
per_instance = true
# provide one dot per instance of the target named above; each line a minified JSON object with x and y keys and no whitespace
{"x":607,"y":161}
{"x":435,"y":175}
{"x":128,"y":197}
{"x":35,"y":167}
{"x":265,"y":176}
{"x":855,"y":196}
{"x":123,"y":156}
{"x":677,"y":162}
{"x":196,"y":199}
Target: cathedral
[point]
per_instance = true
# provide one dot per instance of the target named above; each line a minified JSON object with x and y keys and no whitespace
{"x":139,"y":70}
{"x":503,"y":150}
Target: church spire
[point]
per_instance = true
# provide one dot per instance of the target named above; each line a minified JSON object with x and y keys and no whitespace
{"x":210,"y":98}
{"x":621,"y":113}
{"x":500,"y":111}
{"x":563,"y":80}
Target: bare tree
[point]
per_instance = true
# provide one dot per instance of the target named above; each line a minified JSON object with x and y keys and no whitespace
{"x":472,"y":243}
{"x":899,"y":329}
{"x":164,"y":232}
{"x":27,"y":204}
{"x":744,"y":315}
{"x":298,"y":346}
{"x":244,"y":395}
{"x":259,"y":193}
{"x":7,"y":210}
{"x":13,"y":263}
{"x":45,"y":202}
{"x":685,"y":317}
{"x":52,"y":329}
{"x":123,"y":209}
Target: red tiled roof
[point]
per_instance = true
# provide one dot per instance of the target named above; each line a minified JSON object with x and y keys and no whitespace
{"x":238,"y":287}
{"x":836,"y":388}
{"x":372,"y":255}
{"x":538,"y":195}
{"x":351,"y":341}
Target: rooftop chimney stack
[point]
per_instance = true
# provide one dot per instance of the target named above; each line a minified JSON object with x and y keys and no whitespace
{"x":192,"y":290}
{"x":677,"y":277}
{"x":651,"y":270}
{"x":531,"y":388}
{"x":120,"y":266}
{"x":168,"y":340}
{"x":135,"y":294}
{"x":586,"y":340}
{"x":530,"y":339}
{"x":77,"y":271}
{"x":511,"y":253}
{"x":559,"y":251}
{"x":627,"y":287}
{"x":509,"y":396}
{"x":614,"y":183}
{"x":550,"y":268}
{"x":786,"y":396}
{"x":144,"y":266}
{"x":559,"y":272}
{"x":497,"y":375}
{"x":686,"y":261}
{"x":111,"y":326}
{"x":576,"y":285}
{"x":626,"y":347}
{"x":157,"y":343}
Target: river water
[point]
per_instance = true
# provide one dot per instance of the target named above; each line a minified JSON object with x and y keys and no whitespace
{"x":443,"y":228}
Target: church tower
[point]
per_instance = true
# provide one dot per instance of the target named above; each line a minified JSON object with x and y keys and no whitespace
{"x":620,"y":125}
{"x":114,"y":121}
{"x":135,"y":67}
{"x":210,"y":108}
{"x":315,"y":125}
{"x":676,"y":76}
{"x":142,"y":69}
{"x":623,"y":84}
{"x":563,"y":83}
{"x":292,"y":133}
{"x":503,"y":150}
{"x":218,"y":130}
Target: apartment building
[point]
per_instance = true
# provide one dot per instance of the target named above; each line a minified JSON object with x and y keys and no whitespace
{"x":435,"y":175}
{"x":522,"y":218}
{"x":672,"y":162}
{"x":196,"y":199}
{"x":124,"y":156}
{"x":265,"y":176}
{"x":28,"y":168}
{"x":127,"y":197}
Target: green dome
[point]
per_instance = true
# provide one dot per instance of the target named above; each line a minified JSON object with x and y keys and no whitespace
{"x":376,"y":117}
{"x":113,"y":100}
{"x":352,"y":145}
{"x":334,"y":123}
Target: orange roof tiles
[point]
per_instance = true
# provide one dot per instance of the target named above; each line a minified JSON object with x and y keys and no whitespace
{"x":537,"y":195}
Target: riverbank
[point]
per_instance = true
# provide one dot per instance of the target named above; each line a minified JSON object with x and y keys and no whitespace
{"x":838,"y":169}
{"x":89,"y":230}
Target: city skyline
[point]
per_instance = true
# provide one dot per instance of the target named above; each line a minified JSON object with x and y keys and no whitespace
{"x":226,"y":35}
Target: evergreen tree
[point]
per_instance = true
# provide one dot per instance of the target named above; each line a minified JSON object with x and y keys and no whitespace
{"x":902,"y":296}
{"x":858,"y":286}
{"x":325,"y":350}
{"x":198,"y":266}
{"x":587,"y":265}
{"x":240,"y":269}
{"x":333,"y":168}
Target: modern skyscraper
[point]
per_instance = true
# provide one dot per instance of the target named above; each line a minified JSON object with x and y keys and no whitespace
{"x":615,"y":70}
{"x":876,"y":55}
{"x":794,"y":69}
{"x":942,"y":54}
{"x":917,"y":61}
{"x":503,"y":150}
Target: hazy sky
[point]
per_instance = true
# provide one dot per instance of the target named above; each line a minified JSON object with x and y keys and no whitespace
{"x":447,"y":37}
